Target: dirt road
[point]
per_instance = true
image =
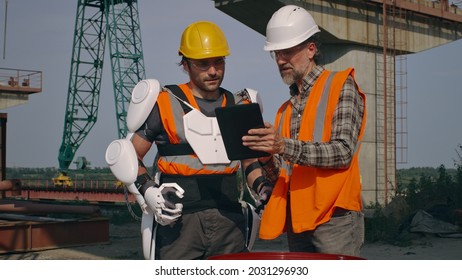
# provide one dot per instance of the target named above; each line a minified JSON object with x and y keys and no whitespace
{"x":125,"y":244}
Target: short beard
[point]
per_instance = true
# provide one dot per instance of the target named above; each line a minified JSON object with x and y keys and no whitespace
{"x":297,"y":74}
{"x":291,"y":78}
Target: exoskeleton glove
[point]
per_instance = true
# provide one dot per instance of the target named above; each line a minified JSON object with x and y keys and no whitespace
{"x":264,"y":193}
{"x":159,"y":200}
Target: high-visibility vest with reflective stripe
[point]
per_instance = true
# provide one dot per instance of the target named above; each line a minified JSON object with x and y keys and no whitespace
{"x":314,"y":192}
{"x":171,"y":114}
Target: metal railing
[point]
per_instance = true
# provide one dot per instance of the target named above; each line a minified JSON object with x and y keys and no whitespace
{"x":19,"y":79}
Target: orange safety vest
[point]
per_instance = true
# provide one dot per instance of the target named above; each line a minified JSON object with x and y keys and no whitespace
{"x":171,"y":113}
{"x":314,"y":192}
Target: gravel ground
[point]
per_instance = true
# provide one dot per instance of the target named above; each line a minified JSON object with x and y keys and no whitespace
{"x":125,"y":244}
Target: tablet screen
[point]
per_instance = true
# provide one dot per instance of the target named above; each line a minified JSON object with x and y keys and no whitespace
{"x":234,"y":122}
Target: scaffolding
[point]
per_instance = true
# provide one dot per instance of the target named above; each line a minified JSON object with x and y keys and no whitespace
{"x":391,"y":106}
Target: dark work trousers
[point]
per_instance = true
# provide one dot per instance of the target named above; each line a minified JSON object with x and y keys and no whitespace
{"x":343,"y":234}
{"x":202,"y":234}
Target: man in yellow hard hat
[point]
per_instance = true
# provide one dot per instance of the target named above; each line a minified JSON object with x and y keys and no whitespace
{"x":210,"y":220}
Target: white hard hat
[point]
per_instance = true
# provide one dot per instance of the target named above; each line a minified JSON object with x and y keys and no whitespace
{"x":288,"y":27}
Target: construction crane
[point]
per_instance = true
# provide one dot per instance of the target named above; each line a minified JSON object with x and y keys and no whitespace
{"x":118,"y":20}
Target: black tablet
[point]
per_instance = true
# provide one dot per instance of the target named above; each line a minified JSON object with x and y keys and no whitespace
{"x":234,"y":122}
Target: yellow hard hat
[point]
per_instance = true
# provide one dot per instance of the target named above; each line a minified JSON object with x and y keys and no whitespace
{"x":203,"y":39}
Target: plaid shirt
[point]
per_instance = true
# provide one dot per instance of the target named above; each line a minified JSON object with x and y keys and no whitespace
{"x":346,"y":125}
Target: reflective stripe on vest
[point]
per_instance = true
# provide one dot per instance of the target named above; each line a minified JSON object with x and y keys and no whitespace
{"x":322,"y":109}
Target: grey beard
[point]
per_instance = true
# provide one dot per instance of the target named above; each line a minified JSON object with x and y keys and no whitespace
{"x":291,"y":78}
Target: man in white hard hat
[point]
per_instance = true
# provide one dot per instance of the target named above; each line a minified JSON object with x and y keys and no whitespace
{"x":314,"y":145}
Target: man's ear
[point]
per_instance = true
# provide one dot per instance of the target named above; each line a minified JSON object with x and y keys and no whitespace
{"x":185,"y":66}
{"x":312,"y":49}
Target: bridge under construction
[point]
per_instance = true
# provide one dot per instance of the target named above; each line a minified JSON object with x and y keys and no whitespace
{"x":372,"y":36}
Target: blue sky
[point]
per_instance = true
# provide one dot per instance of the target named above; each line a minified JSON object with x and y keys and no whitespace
{"x":39,"y":37}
